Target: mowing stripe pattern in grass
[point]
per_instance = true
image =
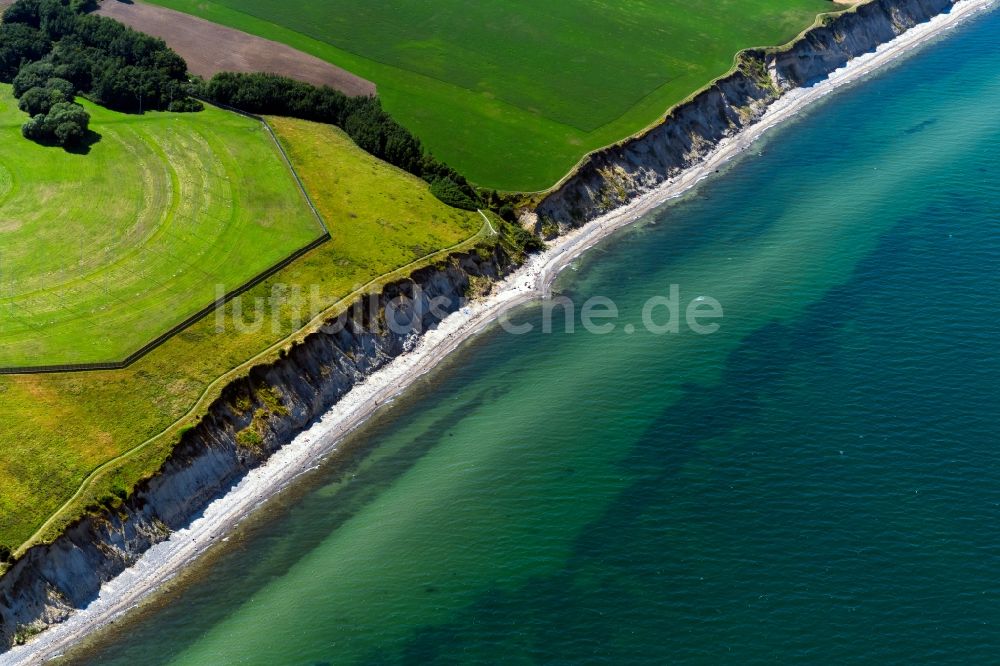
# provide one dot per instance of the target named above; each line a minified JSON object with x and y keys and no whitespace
{"x":103,"y":252}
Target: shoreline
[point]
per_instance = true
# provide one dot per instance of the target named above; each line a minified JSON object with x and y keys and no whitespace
{"x":165,"y":561}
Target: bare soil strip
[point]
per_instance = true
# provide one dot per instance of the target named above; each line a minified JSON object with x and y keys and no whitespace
{"x":210,"y":48}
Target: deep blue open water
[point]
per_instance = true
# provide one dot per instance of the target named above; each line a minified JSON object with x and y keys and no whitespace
{"x":817,"y":481}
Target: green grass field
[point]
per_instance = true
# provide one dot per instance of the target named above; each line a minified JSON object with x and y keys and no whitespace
{"x":514,"y":92}
{"x":57,"y":429}
{"x":102,"y":252}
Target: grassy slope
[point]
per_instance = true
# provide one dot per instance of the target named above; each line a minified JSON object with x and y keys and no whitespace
{"x":104,"y":251}
{"x":56,"y":429}
{"x":514,"y":92}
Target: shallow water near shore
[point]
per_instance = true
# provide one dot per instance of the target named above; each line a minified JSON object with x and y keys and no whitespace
{"x":817,"y":480}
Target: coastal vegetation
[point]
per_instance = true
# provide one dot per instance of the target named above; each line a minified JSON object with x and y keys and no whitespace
{"x":57,"y":429}
{"x":513,"y":93}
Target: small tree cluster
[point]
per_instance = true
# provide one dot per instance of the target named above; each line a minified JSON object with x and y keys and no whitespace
{"x":40,"y":99}
{"x":48,"y":99}
{"x":109,"y":62}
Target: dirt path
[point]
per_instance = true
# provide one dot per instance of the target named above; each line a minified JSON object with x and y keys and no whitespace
{"x":210,"y":48}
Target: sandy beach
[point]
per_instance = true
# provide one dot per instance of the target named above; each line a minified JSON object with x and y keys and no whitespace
{"x":532,"y":281}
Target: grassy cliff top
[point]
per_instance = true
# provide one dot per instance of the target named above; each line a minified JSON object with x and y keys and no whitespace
{"x":57,"y":430}
{"x":513,"y":93}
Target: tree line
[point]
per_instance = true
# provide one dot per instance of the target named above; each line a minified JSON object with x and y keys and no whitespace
{"x":362,"y":118}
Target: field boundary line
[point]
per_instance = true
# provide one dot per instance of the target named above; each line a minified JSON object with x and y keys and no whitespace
{"x":214,"y":305}
{"x":281,"y":150}
{"x":174,"y":330}
{"x":537,"y":196}
{"x":310,"y":327}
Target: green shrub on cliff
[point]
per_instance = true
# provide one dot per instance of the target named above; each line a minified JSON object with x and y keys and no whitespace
{"x":446,"y":190}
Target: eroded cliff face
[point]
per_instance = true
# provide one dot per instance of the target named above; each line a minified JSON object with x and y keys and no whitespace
{"x":275,"y":403}
{"x":613,"y":176}
{"x":281,"y":399}
{"x":827,"y":48}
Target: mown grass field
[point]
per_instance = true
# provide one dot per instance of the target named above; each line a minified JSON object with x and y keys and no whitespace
{"x":513,"y":93}
{"x":102,"y":252}
{"x":56,"y":429}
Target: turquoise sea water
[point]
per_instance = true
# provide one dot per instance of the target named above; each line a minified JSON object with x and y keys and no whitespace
{"x":818,"y":481}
